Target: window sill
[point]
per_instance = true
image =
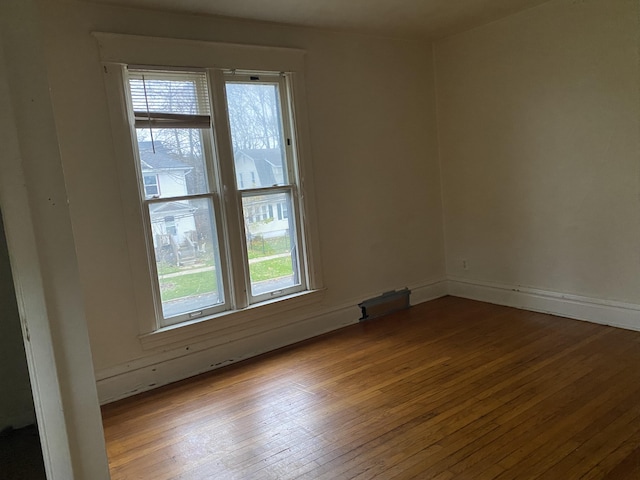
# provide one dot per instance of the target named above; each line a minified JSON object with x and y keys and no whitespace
{"x":227,"y":322}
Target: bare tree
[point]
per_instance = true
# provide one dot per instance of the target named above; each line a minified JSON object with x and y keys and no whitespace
{"x":254,"y":116}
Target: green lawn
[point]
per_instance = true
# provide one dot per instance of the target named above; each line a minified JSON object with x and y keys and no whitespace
{"x":188,"y":285}
{"x":257,"y":248}
{"x":268,"y":269}
{"x":264,"y":247}
{"x":199,"y":283}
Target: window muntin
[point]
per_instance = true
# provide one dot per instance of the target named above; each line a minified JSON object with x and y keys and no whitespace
{"x":188,"y":223}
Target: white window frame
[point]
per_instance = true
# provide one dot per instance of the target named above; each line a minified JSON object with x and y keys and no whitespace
{"x":118,"y":51}
{"x":210,"y":194}
{"x":291,"y":188}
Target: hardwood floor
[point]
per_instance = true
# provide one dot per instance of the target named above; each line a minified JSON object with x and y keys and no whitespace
{"x":450,"y":389}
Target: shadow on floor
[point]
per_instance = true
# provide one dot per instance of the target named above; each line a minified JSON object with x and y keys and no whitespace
{"x":20,"y":455}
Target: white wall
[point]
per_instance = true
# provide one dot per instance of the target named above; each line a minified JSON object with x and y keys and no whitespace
{"x":539,"y":139}
{"x":538,"y":121}
{"x":16,"y":403}
{"x":37,"y":223}
{"x":373,"y":142}
{"x":538,"y":129}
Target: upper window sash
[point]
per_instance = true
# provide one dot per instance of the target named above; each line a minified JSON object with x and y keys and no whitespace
{"x":269,"y":144}
{"x":150,"y":89}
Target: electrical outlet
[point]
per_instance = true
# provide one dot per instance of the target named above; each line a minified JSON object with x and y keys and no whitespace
{"x":465,"y":264}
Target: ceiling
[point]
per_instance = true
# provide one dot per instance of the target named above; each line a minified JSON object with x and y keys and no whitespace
{"x":397,"y":18}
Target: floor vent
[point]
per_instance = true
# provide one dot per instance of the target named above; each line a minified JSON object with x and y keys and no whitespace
{"x":386,"y":303}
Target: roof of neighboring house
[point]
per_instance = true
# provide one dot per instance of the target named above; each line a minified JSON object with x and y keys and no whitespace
{"x":160,"y":160}
{"x":265,"y":160}
{"x":175,"y":209}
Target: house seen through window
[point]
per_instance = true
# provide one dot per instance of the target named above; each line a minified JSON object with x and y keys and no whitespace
{"x":216,"y":198}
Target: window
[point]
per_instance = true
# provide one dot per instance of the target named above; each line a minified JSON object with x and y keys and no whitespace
{"x":225,"y":240}
{"x":212,"y":239}
{"x":151,"y":186}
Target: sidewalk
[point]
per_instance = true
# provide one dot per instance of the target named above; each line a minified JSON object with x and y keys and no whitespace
{"x":212,"y":268}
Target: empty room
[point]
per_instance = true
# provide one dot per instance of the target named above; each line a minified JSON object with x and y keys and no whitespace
{"x":323,"y":240}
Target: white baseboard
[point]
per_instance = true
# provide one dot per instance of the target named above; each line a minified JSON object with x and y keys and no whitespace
{"x":429,"y":291}
{"x":135,"y":377}
{"x":169,"y":366}
{"x":613,"y":313}
{"x":165,"y":367}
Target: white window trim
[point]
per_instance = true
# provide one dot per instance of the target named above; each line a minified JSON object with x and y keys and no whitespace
{"x":242,"y":319}
{"x":116,"y":52}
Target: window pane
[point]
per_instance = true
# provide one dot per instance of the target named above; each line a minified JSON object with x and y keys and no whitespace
{"x":174,"y":157}
{"x":151,"y":186}
{"x":271,"y":243}
{"x":169,"y":92}
{"x":255,"y":120}
{"x":186,"y":254}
